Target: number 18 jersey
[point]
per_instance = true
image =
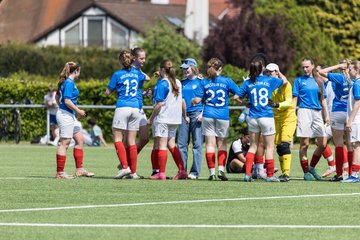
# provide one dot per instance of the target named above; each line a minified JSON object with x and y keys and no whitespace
{"x":215,"y":93}
{"x":258,"y":93}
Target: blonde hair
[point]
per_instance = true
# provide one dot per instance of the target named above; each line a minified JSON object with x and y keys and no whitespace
{"x":126,"y":59}
{"x":68,"y":69}
{"x":170,"y":72}
{"x":345,"y":72}
{"x":214,"y":65}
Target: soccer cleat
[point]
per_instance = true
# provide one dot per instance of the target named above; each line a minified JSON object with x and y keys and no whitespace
{"x":336,"y":179}
{"x":222,"y":176}
{"x":81,"y":172}
{"x":122,"y":173}
{"x":212,"y":177}
{"x":314,"y":173}
{"x":259,"y":173}
{"x":180,"y":175}
{"x":192,"y":176}
{"x":272,"y":179}
{"x":63,"y":175}
{"x":351,"y":179}
{"x":133,"y":176}
{"x":329,"y":171}
{"x":308,"y":177}
{"x":158,"y":176}
{"x":248,"y":179}
{"x":284,"y":178}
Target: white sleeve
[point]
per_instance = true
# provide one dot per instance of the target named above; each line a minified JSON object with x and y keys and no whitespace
{"x":237,"y":146}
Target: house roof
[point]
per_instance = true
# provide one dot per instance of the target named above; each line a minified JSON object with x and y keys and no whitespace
{"x":28,"y":21}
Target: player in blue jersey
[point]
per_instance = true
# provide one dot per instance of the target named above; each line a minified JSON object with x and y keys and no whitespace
{"x":353,"y":122}
{"x":341,"y":83}
{"x":214,"y":92}
{"x":309,"y":93}
{"x":259,"y":89}
{"x":165,"y":118}
{"x":69,"y":126}
{"x":139,"y":61}
{"x":127,"y":113}
{"x":191,"y":125}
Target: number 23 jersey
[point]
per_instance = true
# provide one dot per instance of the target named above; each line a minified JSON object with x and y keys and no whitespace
{"x":215,"y":93}
{"x":258,"y":93}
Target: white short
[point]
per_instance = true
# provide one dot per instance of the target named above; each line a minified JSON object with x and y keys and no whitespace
{"x":310,"y":123}
{"x":328,"y":131}
{"x":355,"y":133}
{"x":215,"y":127}
{"x":164,"y":130}
{"x":143,"y":118}
{"x":68,"y":124}
{"x":126,"y":118}
{"x":265,"y":126}
{"x":338,"y":120}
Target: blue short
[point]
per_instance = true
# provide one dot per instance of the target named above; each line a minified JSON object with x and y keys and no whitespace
{"x":53,"y":120}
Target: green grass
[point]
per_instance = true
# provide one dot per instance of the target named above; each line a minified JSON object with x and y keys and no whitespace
{"x":27,"y":181}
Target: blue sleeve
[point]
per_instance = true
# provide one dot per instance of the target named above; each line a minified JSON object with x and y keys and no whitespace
{"x":234,"y":89}
{"x":295,"y":90}
{"x":336,"y":77}
{"x":356,"y":91}
{"x":68,"y":89}
{"x":243,"y":89}
{"x":278,"y":83}
{"x":162,"y":91}
{"x":199,"y":91}
{"x":112,"y":83}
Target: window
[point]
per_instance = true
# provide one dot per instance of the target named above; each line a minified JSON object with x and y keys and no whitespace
{"x":118,"y":37}
{"x":72,"y":36}
{"x":95,"y":32}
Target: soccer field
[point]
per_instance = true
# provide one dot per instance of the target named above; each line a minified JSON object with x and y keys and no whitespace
{"x":34,"y":205}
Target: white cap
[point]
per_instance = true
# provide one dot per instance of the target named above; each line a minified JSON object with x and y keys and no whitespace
{"x":272,"y":67}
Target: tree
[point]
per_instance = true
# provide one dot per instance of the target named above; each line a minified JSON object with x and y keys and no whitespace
{"x":163,"y":42}
{"x":307,"y":36}
{"x":235,"y":40}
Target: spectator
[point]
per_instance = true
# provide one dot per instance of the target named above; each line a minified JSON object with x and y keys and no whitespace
{"x":95,"y":138}
{"x":52,"y":107}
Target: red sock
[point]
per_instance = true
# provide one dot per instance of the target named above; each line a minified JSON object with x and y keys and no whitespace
{"x":128,"y":156}
{"x":270,"y":165}
{"x":60,"y":162}
{"x":210,"y":159}
{"x":177,"y":158}
{"x":249,"y":162}
{"x":314,"y":160}
{"x":339,"y":160}
{"x":304,"y":165}
{"x":133,"y":154}
{"x":355,"y":167}
{"x":350,"y":160}
{"x":345,"y":162}
{"x":331,"y":163}
{"x":222,"y":155}
{"x":259,"y":159}
{"x":162,"y":157}
{"x":154,"y":160}
{"x":78,"y":156}
{"x":327,"y":152}
{"x":121,"y":153}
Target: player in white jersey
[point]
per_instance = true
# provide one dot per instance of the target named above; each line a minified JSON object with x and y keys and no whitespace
{"x":165,"y":118}
{"x":52,"y":107}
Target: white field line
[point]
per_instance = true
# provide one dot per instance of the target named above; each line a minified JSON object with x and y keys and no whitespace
{"x":175,"y":226}
{"x":177,"y":202}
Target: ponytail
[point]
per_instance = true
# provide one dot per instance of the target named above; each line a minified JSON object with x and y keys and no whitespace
{"x":214,"y":66}
{"x":68,"y":69}
{"x":319,"y":82}
{"x":126,"y":59}
{"x":256,"y":68}
{"x":170,"y":72}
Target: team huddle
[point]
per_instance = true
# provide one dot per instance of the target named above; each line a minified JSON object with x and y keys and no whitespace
{"x":197,"y":108}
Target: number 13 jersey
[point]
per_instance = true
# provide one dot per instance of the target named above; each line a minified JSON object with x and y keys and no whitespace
{"x":215,"y":94}
{"x":259,"y":91}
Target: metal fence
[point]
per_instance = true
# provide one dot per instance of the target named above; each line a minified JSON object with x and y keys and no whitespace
{"x":80,"y":106}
